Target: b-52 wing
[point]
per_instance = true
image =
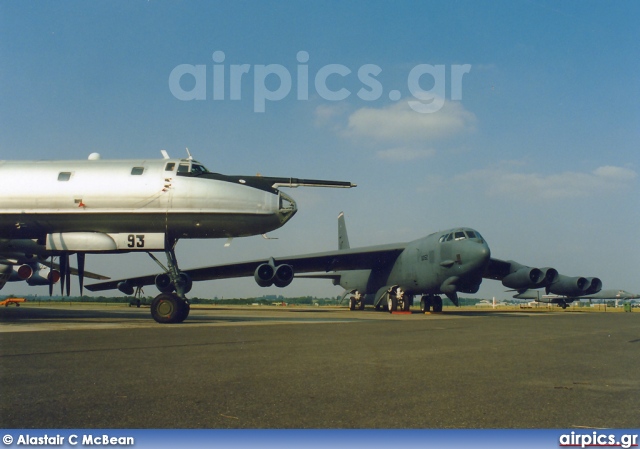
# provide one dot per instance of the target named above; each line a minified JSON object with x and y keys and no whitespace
{"x":446,"y":262}
{"x":521,"y":277}
{"x":278,"y":271}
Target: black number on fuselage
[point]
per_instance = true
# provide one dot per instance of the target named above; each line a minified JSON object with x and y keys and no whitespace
{"x":135,"y":241}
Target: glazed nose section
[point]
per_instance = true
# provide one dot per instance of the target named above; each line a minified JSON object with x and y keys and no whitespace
{"x":286,"y":207}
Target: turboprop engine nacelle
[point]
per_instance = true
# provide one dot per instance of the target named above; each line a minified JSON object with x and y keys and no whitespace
{"x":269,"y":274}
{"x":164,"y":284}
{"x":39,"y":276}
{"x":125,"y":287}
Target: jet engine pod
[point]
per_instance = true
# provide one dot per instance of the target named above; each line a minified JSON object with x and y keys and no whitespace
{"x":264,"y":275}
{"x":125,"y":287}
{"x":186,"y":282}
{"x":595,"y":285}
{"x":163,"y":283}
{"x":269,"y":274}
{"x":549,"y":276}
{"x":283,"y":275}
{"x":569,"y":286}
{"x":524,"y":277}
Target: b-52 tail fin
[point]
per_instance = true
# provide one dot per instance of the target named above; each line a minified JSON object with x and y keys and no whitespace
{"x":343,"y":238}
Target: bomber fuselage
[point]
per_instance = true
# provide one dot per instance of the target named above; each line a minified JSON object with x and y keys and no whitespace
{"x":443,"y":262}
{"x":173,"y":196}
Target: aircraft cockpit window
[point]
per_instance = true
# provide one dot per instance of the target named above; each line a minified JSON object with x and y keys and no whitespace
{"x":471,"y":234}
{"x":183,"y":168}
{"x":198,"y":169}
{"x":450,"y":237}
{"x":170,"y":166}
{"x":64,"y":176}
{"x":137,"y":170}
{"x":460,"y":235}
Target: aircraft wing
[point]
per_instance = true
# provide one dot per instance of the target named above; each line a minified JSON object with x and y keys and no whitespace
{"x":346,"y":259}
{"x":521,"y":277}
{"x":74,"y":271}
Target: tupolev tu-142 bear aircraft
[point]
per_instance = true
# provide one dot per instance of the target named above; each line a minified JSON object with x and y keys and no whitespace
{"x":446,"y":262}
{"x":58,"y":208}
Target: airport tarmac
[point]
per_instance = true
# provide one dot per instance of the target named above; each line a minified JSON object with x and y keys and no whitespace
{"x":79,"y":366}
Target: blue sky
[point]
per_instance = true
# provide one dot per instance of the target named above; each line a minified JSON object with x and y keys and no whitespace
{"x":539,"y":151}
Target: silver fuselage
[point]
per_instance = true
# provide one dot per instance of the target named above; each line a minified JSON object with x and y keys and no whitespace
{"x":134,"y":196}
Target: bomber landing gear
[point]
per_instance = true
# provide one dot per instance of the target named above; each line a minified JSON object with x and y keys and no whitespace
{"x":356,"y":301}
{"x":398,"y":299}
{"x":431,"y":303}
{"x":169,"y":307}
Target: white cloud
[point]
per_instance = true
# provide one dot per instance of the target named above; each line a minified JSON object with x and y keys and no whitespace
{"x":400,"y":123}
{"x":615,"y":173}
{"x":535,"y":186}
{"x":403,"y":154}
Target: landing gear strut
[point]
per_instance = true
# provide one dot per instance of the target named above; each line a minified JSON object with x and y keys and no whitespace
{"x":169,"y":307}
{"x":356,"y":301}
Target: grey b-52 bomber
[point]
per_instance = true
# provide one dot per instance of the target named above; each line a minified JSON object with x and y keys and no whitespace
{"x":390,"y":275}
{"x":59,"y":208}
{"x":565,"y":299}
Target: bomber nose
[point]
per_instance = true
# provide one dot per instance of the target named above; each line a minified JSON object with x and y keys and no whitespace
{"x":478,"y":253}
{"x":286,"y":208}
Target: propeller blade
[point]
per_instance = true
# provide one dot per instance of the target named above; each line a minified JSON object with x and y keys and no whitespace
{"x":64,"y":261}
{"x":68,"y":275}
{"x":50,"y":276}
{"x":81,"y":257}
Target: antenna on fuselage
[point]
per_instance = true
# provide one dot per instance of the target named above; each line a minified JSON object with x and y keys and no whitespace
{"x":165,"y":155}
{"x":189,"y":154}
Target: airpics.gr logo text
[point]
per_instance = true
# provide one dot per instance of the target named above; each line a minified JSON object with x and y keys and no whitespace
{"x":274,"y":82}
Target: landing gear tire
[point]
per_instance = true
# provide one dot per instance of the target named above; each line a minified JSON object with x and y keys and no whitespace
{"x":425,"y":304}
{"x":563,"y":305}
{"x":392,"y":302}
{"x":361,"y":305}
{"x":437,"y":304}
{"x":184,"y":312}
{"x":406,"y":303}
{"x":168,"y":308}
{"x":352,"y":303}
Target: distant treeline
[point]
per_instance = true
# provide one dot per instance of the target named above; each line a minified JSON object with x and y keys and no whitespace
{"x":262,"y":300}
